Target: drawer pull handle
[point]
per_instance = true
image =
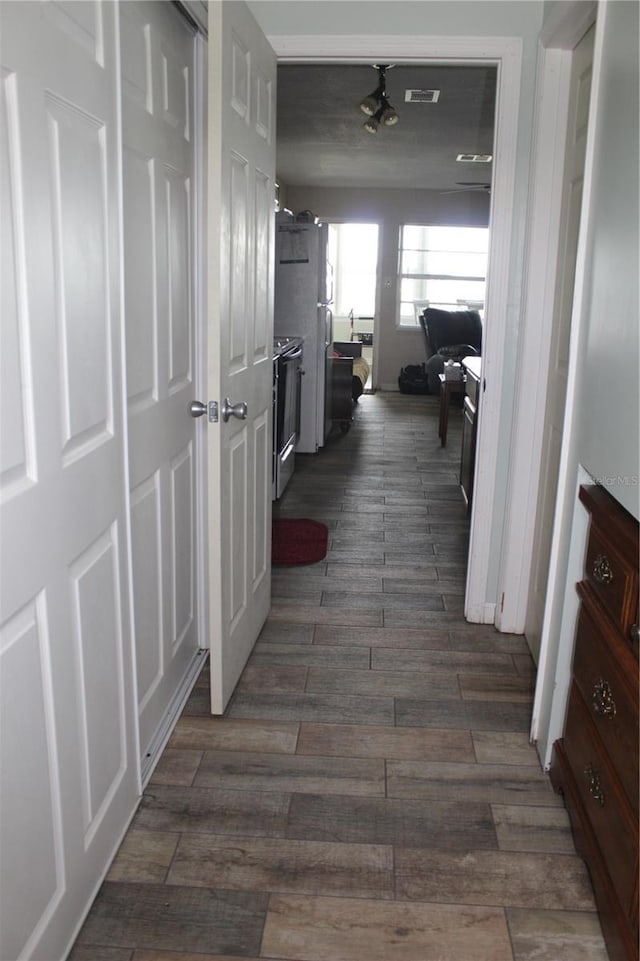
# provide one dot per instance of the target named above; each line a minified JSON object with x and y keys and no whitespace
{"x":602,"y":699}
{"x":595,"y":787}
{"x":602,"y":570}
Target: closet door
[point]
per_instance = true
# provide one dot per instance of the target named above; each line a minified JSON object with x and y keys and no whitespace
{"x":68,"y":766}
{"x":158,"y":84}
{"x":241,"y":264}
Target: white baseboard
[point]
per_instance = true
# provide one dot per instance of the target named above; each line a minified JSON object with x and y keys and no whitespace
{"x":489,"y":616}
{"x":481,"y":614}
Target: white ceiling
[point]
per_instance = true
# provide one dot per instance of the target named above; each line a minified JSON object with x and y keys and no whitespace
{"x":321,"y":140}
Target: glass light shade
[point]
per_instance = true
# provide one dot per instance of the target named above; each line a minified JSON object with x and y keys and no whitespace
{"x":389,"y":116}
{"x":371,"y":125}
{"x":372,"y":101}
{"x":369,"y":105}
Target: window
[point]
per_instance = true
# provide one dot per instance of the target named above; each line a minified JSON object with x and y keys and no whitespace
{"x":353,"y":251}
{"x":441,"y":267}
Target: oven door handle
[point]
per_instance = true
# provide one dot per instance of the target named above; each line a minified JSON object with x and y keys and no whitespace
{"x":294,"y":355}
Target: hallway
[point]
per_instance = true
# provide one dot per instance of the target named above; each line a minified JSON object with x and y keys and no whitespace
{"x":370,"y":794}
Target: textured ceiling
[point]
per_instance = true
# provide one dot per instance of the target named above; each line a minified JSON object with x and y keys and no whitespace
{"x":321,"y":140}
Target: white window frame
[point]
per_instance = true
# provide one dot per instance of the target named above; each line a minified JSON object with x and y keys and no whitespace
{"x":420,"y":304}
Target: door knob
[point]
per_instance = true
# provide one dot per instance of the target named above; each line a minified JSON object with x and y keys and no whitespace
{"x":234,"y":410}
{"x":197,"y":408}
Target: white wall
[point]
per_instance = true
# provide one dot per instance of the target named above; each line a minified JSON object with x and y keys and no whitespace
{"x":602,"y":425}
{"x":472,"y":18}
{"x":607,"y":399}
{"x":390,"y":209}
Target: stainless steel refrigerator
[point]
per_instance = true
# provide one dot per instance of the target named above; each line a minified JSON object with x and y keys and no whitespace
{"x":303,"y":295}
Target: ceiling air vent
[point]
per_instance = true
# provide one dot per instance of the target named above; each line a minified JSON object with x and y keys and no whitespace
{"x":474,"y":158}
{"x":421,"y":96}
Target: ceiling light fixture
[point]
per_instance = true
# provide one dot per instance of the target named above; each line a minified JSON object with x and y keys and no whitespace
{"x":376,"y":105}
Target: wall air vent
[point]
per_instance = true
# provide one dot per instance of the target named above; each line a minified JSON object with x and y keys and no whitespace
{"x":421,"y":96}
{"x":474,"y":158}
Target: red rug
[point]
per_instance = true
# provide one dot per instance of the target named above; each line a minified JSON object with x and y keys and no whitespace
{"x":298,"y":541}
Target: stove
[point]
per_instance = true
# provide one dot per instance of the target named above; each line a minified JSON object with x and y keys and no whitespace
{"x":287,"y":374}
{"x":282,"y":345}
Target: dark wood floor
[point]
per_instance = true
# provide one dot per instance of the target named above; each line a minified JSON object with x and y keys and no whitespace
{"x":370,"y":794}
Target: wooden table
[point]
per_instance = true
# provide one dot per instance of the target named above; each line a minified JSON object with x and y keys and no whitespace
{"x":447,"y":388}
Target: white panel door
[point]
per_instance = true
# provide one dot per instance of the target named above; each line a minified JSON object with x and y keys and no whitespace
{"x":559,"y":348}
{"x":69,"y":769}
{"x":158,"y":85}
{"x":241,"y":172}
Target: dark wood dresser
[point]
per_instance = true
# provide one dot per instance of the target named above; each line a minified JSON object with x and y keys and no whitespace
{"x":595,"y":763}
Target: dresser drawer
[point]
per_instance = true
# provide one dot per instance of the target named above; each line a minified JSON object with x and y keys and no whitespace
{"x":607,"y":678}
{"x":611,"y":564}
{"x":472,"y":389}
{"x":603,"y":802}
{"x":611,"y":579}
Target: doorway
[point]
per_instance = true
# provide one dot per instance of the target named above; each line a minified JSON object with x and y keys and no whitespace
{"x":353,"y":254}
{"x":464,"y":201}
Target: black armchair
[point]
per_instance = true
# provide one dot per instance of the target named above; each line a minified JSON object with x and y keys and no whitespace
{"x":449,"y":335}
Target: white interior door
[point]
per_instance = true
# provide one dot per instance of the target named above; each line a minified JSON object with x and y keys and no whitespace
{"x":559,"y":347}
{"x":158,"y":118}
{"x":68,"y":767}
{"x":241,"y":172}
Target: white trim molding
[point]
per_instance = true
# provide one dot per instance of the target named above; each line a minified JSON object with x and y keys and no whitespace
{"x":402,"y":49}
{"x":484,"y":519}
{"x":506,"y":54}
{"x":569,"y":533}
{"x":556,"y":656}
{"x":532,"y":374}
{"x":559,"y":37}
{"x":567,"y":23}
{"x":197,"y":12}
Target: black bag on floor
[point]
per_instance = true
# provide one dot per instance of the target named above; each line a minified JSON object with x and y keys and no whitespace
{"x":413,"y":379}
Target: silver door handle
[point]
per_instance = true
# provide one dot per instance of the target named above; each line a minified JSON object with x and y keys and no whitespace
{"x":234,"y":410}
{"x":197,"y":408}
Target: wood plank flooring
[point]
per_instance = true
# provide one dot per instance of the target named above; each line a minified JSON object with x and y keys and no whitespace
{"x":370,"y":794}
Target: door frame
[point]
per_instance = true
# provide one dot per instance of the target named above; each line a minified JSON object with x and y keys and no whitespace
{"x":560,"y":36}
{"x":378,"y":282}
{"x":201,"y":332}
{"x":194,"y":12}
{"x":506,"y":54}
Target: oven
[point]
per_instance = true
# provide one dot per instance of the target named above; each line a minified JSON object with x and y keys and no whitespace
{"x":287,"y":374}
